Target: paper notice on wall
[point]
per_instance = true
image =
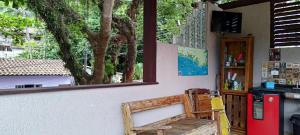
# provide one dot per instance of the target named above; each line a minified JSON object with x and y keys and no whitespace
{"x":274,"y":72}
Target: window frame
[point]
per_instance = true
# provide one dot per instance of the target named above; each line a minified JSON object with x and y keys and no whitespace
{"x":27,"y":86}
{"x":150,"y":44}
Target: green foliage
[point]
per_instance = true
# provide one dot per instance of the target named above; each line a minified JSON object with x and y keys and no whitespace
{"x":225,"y":1}
{"x":138,"y":73}
{"x":171,"y":15}
{"x":122,"y":9}
{"x":14,"y":3}
{"x":14,"y":23}
{"x":47,"y":48}
{"x":140,"y":30}
{"x":88,"y":11}
{"x":14,"y":26}
{"x":110,"y":69}
{"x":80,"y":45}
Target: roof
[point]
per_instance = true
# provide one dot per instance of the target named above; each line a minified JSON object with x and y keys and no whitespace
{"x":22,"y":67}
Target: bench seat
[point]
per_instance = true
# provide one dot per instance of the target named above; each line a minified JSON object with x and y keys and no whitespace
{"x":183,"y":124}
{"x":188,"y":127}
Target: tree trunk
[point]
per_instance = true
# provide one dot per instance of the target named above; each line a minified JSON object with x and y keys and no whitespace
{"x":130,"y":60}
{"x":99,"y":67}
{"x":128,"y":29}
{"x":55,"y":22}
{"x":56,"y":14}
{"x":102,"y":41}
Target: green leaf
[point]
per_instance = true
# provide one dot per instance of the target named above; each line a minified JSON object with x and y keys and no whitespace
{"x":15,"y":5}
{"x":6,"y":2}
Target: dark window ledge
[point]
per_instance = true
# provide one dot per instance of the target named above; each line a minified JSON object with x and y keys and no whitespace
{"x":70,"y":88}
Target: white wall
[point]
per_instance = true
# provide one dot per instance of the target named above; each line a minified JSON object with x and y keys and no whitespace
{"x":93,"y":112}
{"x":213,"y":42}
{"x":97,"y":111}
{"x":256,"y":21}
{"x":10,"y":82}
{"x":11,"y":54}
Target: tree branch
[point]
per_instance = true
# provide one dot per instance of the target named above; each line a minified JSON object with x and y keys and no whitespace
{"x":118,"y":3}
{"x":123,"y":26}
{"x":132,"y":11}
{"x":127,"y":27}
{"x":56,"y":19}
{"x":74,"y":17}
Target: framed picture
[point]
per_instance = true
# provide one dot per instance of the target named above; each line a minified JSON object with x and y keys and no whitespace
{"x":274,"y":54}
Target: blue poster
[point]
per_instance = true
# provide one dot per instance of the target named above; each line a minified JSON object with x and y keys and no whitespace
{"x":192,"y":61}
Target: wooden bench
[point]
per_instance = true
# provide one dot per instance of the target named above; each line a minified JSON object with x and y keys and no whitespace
{"x":183,"y":124}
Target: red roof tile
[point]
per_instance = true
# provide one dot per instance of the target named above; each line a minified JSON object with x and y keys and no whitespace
{"x":21,"y":67}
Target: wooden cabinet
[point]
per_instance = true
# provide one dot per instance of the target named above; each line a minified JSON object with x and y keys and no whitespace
{"x":236,"y":78}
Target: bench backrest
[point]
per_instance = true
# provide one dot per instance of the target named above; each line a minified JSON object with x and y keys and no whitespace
{"x":130,"y":108}
{"x":201,"y":101}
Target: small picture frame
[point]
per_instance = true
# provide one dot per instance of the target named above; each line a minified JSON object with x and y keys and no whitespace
{"x":296,"y":65}
{"x":282,"y":81}
{"x":277,"y":64}
{"x":274,"y":54}
{"x":289,"y":65}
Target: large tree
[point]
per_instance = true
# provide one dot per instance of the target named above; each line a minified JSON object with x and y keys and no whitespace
{"x":61,"y":20}
{"x":72,"y":29}
{"x":59,"y":17}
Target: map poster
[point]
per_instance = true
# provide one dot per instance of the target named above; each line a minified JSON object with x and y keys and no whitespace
{"x":192,"y":61}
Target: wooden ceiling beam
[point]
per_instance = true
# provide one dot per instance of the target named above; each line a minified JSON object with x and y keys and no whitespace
{"x":240,"y":3}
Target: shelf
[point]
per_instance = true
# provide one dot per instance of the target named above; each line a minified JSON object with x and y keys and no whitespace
{"x":235,"y":40}
{"x":242,"y":90}
{"x":234,"y":92}
{"x":235,"y":67}
{"x":236,"y":100}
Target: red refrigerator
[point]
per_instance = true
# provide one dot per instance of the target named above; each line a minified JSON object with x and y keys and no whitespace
{"x":265,"y":114}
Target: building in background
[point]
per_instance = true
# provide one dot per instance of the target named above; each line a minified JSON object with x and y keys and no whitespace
{"x":19,"y":73}
{"x":10,"y":52}
{"x":7,"y":50}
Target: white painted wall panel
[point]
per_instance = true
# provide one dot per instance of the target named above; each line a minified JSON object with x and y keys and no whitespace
{"x":9,"y":82}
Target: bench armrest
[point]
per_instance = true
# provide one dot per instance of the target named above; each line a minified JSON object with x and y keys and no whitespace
{"x":147,"y":128}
